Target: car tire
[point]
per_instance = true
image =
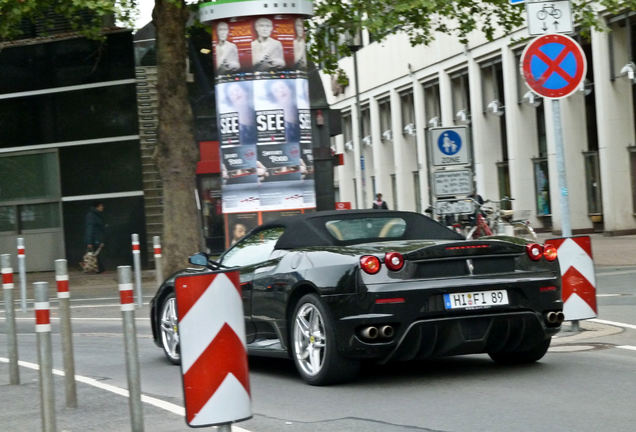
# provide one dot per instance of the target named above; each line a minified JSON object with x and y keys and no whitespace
{"x":521,"y":357}
{"x":313,"y":345}
{"x":168,"y":329}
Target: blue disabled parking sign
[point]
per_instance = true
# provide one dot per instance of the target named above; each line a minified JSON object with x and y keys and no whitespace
{"x":449,"y":146}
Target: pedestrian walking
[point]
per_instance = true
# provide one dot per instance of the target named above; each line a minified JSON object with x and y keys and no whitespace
{"x":379,"y":203}
{"x":94,"y":238}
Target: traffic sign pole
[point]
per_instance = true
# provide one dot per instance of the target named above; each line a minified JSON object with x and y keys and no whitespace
{"x":566,"y":229}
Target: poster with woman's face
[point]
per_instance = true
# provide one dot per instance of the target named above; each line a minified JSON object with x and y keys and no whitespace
{"x":235,"y":113}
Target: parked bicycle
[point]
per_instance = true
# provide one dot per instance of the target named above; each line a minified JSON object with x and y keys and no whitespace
{"x":511,"y":222}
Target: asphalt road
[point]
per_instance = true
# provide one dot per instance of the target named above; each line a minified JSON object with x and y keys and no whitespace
{"x":585,"y":383}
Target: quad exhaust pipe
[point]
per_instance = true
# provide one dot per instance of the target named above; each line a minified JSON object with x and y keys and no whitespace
{"x":373,"y":332}
{"x":370,"y":332}
{"x":386,"y":331}
{"x":554,"y":317}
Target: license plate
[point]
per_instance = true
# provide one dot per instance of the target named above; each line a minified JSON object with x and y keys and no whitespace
{"x":473,"y":299}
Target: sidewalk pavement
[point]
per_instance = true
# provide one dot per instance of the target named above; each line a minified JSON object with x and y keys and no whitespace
{"x":608,"y":250}
{"x":100,"y":410}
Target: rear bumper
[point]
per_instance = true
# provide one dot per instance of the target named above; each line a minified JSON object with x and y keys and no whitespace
{"x":424,"y":328}
{"x":470,"y":334}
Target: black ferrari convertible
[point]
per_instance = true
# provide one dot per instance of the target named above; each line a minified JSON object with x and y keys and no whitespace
{"x":332,"y":289}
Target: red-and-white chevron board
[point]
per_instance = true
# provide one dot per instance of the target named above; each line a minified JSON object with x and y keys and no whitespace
{"x":213,"y":349}
{"x":578,"y":279}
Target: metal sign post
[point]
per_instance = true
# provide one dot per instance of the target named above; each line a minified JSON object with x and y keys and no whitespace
{"x":554,"y":67}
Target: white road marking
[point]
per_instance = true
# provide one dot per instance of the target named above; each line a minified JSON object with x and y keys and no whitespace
{"x":608,"y":295}
{"x":164,"y":405}
{"x":614,"y":323}
{"x":627,"y":347}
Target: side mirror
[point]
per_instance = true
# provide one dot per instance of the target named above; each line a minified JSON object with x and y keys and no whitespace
{"x":199,"y":259}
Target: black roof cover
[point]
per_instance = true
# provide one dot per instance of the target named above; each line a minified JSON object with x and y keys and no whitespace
{"x":309,"y":229}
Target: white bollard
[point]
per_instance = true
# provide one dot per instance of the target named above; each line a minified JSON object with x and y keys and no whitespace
{"x":66,"y":332}
{"x":137,"y":266}
{"x":130,"y":341}
{"x":12,"y":339}
{"x":156,"y":244}
{"x":45,"y":357}
{"x":22,"y":271}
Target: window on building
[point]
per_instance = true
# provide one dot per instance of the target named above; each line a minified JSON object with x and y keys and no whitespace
{"x":407,"y":107}
{"x":622,"y":42}
{"x":432,"y":106}
{"x":461,"y":97}
{"x":366,"y":122}
{"x":503,"y":180}
{"x":384,"y":106}
{"x":347,"y":130}
{"x":417,"y":190}
{"x":542,"y":186}
{"x":593,"y":183}
{"x":394,"y":191}
{"x":540,"y":165}
{"x":355,"y":193}
{"x":373,"y":186}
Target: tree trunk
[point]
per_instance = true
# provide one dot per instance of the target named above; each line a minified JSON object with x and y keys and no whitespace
{"x":176,"y":153}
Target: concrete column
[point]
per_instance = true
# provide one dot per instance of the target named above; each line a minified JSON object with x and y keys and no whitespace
{"x":446,"y":99}
{"x":615,"y":120}
{"x":486,"y":136}
{"x":380,"y":169}
{"x":523,"y":145}
{"x":404,"y":157}
{"x":420,"y":141}
{"x":357,"y":152}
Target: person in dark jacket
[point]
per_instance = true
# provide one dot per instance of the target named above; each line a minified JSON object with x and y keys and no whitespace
{"x":379,"y":203}
{"x":94,"y":234}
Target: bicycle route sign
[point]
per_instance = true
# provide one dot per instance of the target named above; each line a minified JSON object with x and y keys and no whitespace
{"x":553,"y":66}
{"x":450,"y":146}
{"x":546,"y":17}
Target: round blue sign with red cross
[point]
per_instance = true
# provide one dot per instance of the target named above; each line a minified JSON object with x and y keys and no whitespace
{"x":553,"y":65}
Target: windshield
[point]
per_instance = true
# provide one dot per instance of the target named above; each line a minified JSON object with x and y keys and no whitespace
{"x":365,"y":228}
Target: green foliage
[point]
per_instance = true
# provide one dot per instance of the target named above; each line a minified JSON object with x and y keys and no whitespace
{"x":85,"y":16}
{"x":421,"y":20}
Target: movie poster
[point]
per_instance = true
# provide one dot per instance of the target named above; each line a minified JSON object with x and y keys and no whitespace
{"x":263,"y":114}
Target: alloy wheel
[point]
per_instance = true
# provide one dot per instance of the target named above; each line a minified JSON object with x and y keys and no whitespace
{"x":309,"y":339}
{"x":169,"y":329}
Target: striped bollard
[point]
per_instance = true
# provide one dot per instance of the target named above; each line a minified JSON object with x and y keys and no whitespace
{"x":130,"y":341}
{"x":156,"y":245}
{"x":137,"y":266}
{"x":12,"y":339}
{"x":66,"y":332}
{"x":212,"y":341}
{"x":22,"y":271}
{"x":45,"y":357}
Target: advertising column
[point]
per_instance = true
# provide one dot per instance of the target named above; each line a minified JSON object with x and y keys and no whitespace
{"x":262,"y":101}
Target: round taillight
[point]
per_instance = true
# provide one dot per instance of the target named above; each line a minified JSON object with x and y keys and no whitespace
{"x":370,"y":264}
{"x":550,"y":252}
{"x":534,"y":251}
{"x":394,"y":261}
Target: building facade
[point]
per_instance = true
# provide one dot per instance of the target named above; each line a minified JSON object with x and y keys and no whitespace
{"x":405,"y":92}
{"x":69,"y":136}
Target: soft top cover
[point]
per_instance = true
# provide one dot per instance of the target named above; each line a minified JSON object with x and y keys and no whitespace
{"x":310,"y":229}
